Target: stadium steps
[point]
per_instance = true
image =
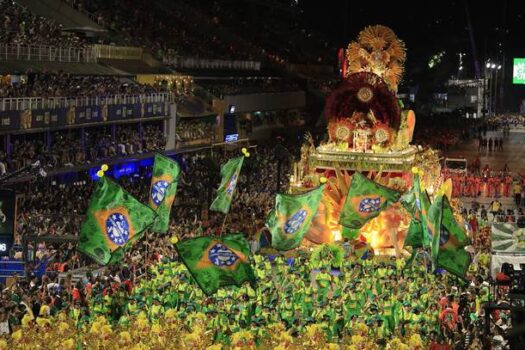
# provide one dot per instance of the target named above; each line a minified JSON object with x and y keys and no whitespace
{"x":21,"y":67}
{"x":62,"y":13}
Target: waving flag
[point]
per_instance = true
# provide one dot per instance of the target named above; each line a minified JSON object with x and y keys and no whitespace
{"x":291,"y":217}
{"x":507,"y":238}
{"x":230,"y":175}
{"x":414,"y":238}
{"x":452,"y":240}
{"x":365,"y":201}
{"x":433,"y":224}
{"x":215,"y":262}
{"x":163,"y":190}
{"x":114,"y":219}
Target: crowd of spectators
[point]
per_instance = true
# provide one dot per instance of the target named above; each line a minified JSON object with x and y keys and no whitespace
{"x":47,"y":208}
{"x":264,"y":25}
{"x":195,"y":130}
{"x":66,"y":149}
{"x":61,"y":84}
{"x":21,"y":26}
{"x":443,"y":131}
{"x":183,"y":29}
{"x":245,"y":86}
{"x":443,"y":312}
{"x":165,"y":30}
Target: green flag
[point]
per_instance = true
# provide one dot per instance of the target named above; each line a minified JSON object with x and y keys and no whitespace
{"x":113,"y":219}
{"x":452,"y":240}
{"x":414,"y":237}
{"x":215,"y":262}
{"x":433,"y":218}
{"x":290,"y":219}
{"x":163,"y":190}
{"x":365,"y":200}
{"x":409,"y":201}
{"x":230,"y":175}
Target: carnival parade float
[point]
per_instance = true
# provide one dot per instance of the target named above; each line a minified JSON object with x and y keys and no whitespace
{"x":369,"y":132}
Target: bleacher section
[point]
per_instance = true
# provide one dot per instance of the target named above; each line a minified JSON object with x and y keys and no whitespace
{"x":62,"y":13}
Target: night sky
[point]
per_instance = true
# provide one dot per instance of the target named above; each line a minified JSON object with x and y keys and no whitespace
{"x":429,"y":27}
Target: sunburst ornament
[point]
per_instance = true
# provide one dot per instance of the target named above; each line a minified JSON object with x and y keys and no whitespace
{"x":382,"y":134}
{"x":365,"y":94}
{"x":519,"y":238}
{"x":342,"y":132}
{"x":378,"y":51}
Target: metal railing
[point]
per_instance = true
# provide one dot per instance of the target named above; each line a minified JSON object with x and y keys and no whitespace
{"x":25,"y":103}
{"x":204,"y":63}
{"x":117,"y":52}
{"x":47,"y":53}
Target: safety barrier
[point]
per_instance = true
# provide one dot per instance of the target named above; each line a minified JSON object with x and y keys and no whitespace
{"x":29,"y":103}
{"x":46,"y":53}
{"x":203,"y":63}
{"x":117,"y":52}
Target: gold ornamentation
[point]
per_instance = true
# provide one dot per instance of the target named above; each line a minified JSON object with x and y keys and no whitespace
{"x":342,"y":132}
{"x":381,"y":135}
{"x":365,"y":94}
{"x":379,"y":51}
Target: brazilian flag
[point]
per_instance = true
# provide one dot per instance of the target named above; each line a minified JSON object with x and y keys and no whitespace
{"x":230,"y":175}
{"x":424,"y":204}
{"x":417,"y":202}
{"x":114,"y":219}
{"x":433,"y":224}
{"x":215,"y":262}
{"x":364,"y":201}
{"x":290,"y":219}
{"x":452,"y":240}
{"x":414,"y":237}
{"x":410,"y":200}
{"x":163,"y":190}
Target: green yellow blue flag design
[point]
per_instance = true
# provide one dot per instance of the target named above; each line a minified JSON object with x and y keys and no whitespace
{"x":291,"y":217}
{"x":452,"y":241}
{"x":414,"y":237}
{"x":365,"y":200}
{"x":433,"y":224}
{"x":163,"y":189}
{"x":229,"y":177}
{"x":113,"y":219}
{"x":215,"y":262}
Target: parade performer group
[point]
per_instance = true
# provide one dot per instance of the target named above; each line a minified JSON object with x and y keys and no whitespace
{"x":486,"y":185}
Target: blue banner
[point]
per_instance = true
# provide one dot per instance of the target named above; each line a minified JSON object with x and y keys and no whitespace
{"x":62,"y":117}
{"x":46,"y":118}
{"x":123,"y":112}
{"x":9,"y":120}
{"x":155,"y":109}
{"x":90,"y":114}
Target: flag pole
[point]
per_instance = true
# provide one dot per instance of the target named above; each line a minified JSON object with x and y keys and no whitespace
{"x":224,"y":223}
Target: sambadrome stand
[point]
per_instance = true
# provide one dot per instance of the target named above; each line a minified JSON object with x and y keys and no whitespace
{"x":368,"y":132}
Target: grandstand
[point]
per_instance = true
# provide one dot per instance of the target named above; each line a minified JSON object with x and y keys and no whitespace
{"x":87,"y":82}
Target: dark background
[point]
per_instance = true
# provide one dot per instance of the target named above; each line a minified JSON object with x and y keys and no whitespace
{"x":429,"y":27}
